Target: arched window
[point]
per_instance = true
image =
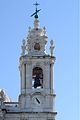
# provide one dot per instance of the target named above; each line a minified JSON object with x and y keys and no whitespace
{"x":37,"y":78}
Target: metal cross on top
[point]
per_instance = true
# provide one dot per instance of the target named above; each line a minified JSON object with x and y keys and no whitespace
{"x":35,"y":13}
{"x":36,"y":4}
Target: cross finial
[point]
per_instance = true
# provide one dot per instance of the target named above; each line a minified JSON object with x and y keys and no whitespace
{"x":36,"y":4}
{"x":35,"y":14}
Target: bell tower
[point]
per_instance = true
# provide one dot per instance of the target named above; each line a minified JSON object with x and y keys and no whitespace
{"x":37,"y":97}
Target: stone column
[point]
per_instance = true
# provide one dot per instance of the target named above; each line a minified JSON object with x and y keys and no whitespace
{"x":52,"y":80}
{"x":47,"y":75}
{"x":28,"y":76}
{"x":23,"y":79}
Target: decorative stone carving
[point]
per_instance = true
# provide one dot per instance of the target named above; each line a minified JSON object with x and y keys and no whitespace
{"x":2,"y":96}
{"x":36,"y":24}
{"x":29,"y":29}
{"x":44,"y":31}
{"x":51,"y":47}
{"x":23,"y":47}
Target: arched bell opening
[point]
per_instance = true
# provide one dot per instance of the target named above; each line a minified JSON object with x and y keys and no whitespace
{"x":37,"y":77}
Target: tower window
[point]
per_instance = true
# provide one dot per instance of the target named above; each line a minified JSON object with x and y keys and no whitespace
{"x":37,"y":78}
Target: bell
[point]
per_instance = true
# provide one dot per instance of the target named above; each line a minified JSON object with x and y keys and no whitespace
{"x":37,"y":83}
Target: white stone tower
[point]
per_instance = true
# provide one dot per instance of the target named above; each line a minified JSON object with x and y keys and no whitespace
{"x":37,"y":96}
{"x":36,"y":70}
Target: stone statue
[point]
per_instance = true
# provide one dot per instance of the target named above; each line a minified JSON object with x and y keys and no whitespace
{"x":51,"y":47}
{"x":23,"y":47}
